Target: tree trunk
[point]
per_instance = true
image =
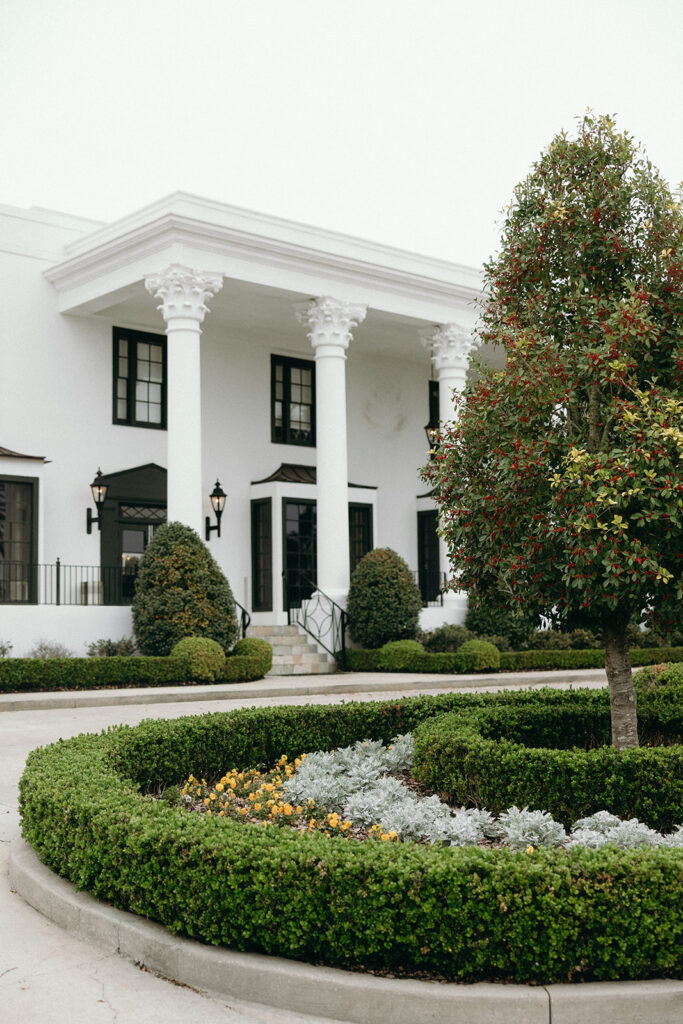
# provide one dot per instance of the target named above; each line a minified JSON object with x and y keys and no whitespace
{"x":622,"y":694}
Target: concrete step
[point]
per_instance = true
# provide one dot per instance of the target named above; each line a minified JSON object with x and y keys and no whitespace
{"x":295,"y":652}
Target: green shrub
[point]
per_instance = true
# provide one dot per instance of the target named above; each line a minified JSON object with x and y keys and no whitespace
{"x":49,"y":649}
{"x":407,"y":907}
{"x":24,"y":675}
{"x":531,"y":755}
{"x":658,"y":677}
{"x":5,"y":648}
{"x":180,"y":591}
{"x":125,"y":647}
{"x":445,"y":639}
{"x":398,"y":655}
{"x":555,"y":639}
{"x":258,"y":651}
{"x":478,"y":656}
{"x":521,"y":661}
{"x":203,"y":660}
{"x":384,"y":600}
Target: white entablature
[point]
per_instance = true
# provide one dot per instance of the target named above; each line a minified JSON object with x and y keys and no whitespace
{"x":109,"y":264}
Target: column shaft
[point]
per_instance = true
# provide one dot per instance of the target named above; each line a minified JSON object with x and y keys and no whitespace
{"x":184,"y":494}
{"x":330,"y":321}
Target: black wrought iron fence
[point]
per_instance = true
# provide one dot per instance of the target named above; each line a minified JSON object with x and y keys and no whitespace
{"x":60,"y":584}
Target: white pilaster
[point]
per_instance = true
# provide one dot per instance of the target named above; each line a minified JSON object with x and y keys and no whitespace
{"x":450,"y":346}
{"x":183,"y":293}
{"x":330,"y":322}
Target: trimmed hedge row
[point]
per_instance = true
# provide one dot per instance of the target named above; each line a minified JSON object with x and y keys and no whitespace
{"x":22,"y":675}
{"x":467,"y":913}
{"x":360,"y":660}
{"x":495,"y":757}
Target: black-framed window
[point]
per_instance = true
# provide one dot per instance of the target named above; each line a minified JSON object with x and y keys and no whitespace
{"x":139,"y":379}
{"x":261,"y":555}
{"x":18,"y":539}
{"x":292,"y":401}
{"x":360,"y":532}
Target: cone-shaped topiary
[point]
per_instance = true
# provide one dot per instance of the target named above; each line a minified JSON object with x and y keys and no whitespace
{"x":180,"y":591}
{"x":384,"y":600}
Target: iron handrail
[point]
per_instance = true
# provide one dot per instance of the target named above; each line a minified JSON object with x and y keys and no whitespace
{"x":320,"y":616}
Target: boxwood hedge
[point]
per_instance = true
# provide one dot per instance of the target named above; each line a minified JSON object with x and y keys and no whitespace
{"x":23,"y":675}
{"x":367,"y":660}
{"x":557,"y":759}
{"x":466,"y":913}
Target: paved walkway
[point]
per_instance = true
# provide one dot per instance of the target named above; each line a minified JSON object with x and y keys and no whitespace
{"x":50,"y":977}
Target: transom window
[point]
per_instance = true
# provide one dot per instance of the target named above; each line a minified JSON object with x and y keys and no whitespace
{"x":292,"y":392}
{"x":139,"y":379}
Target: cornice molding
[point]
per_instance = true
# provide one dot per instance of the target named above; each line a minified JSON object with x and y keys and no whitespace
{"x":232,"y":235}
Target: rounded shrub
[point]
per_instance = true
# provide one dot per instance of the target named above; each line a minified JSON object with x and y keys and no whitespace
{"x":398,"y":655}
{"x":485,"y":618}
{"x":380,"y":906}
{"x":202,"y":659}
{"x":181,"y":592}
{"x":658,"y":677}
{"x":257,"y":650}
{"x":384,"y":600}
{"x":478,"y":656}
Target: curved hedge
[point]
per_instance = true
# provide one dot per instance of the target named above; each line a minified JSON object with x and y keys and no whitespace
{"x":557,"y":759}
{"x":466,"y":913}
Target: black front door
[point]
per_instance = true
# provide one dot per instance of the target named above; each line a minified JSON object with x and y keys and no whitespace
{"x":299,"y":546}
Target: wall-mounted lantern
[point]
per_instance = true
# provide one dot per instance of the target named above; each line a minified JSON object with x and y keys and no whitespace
{"x":432,"y":432}
{"x":217,"y":499}
{"x":99,"y":494}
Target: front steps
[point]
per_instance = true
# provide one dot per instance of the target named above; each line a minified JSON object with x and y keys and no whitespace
{"x":295,"y":652}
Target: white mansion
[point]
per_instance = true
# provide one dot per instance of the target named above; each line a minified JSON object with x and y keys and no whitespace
{"x":321,"y":359}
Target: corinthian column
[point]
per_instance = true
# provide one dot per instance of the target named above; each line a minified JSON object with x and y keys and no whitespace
{"x":330,"y":322}
{"x":183,"y":293}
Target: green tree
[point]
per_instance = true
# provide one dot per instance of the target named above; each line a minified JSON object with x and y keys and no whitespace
{"x":181,"y":592}
{"x":560,"y":486}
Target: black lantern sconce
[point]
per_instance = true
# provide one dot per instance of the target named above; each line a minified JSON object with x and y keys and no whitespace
{"x":432,"y":432}
{"x":99,"y":494}
{"x":217,"y":498}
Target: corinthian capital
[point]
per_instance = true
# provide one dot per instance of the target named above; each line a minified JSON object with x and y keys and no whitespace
{"x":330,"y":320}
{"x":450,"y":345}
{"x":183,"y":292}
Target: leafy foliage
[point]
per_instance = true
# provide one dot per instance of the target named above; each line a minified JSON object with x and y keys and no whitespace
{"x":203,"y":660}
{"x":478,"y":656}
{"x":5,"y":648}
{"x":398,"y":655}
{"x":49,"y":649}
{"x":384,"y":600}
{"x":180,"y":592}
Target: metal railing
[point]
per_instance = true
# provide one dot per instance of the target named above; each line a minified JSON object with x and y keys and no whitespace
{"x":244,"y":618}
{"x":316,"y":613}
{"x":59,"y":584}
{"x":432,"y":584}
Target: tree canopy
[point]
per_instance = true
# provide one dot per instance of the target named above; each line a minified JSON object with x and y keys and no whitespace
{"x":560,"y":484}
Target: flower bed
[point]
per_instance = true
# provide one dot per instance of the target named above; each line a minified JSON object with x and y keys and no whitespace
{"x":464,"y":913}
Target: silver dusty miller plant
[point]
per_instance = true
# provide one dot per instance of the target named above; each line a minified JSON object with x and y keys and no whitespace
{"x":357,"y":782}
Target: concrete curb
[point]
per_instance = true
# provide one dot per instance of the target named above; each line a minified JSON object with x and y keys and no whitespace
{"x":294,"y":686}
{"x":339,"y":995}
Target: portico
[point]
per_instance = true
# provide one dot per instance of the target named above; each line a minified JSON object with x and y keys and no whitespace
{"x":229,"y":300}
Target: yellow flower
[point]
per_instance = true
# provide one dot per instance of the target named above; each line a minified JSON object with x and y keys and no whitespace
{"x":220,"y":787}
{"x":257,"y":807}
{"x":206,"y":799}
{"x":529,"y":849}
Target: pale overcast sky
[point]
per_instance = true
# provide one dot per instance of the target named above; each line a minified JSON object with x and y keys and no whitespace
{"x":405,"y":122}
